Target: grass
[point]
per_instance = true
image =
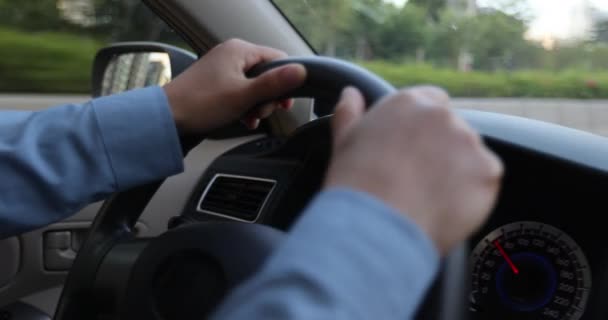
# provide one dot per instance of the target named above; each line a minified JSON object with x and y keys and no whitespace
{"x":45,"y":62}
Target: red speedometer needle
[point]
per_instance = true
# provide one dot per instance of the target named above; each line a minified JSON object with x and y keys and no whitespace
{"x":504,"y":255}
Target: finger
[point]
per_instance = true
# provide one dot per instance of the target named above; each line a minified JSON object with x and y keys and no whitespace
{"x":251,"y":122}
{"x":275,"y":83}
{"x":471,"y":136}
{"x":495,"y":167}
{"x":254,"y":116}
{"x":430,"y":96}
{"x":266,"y":110}
{"x":255,"y":54}
{"x":287,"y":104}
{"x":348,"y":113}
{"x":492,"y":176}
{"x":250,"y":54}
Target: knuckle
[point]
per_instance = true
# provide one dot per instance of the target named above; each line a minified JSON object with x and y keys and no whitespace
{"x":426,"y":96}
{"x":436,"y":92}
{"x":405,"y":97}
{"x":498,"y":168}
{"x":233,"y":43}
{"x":463,"y":133}
{"x":439,"y":113}
{"x":494,"y":168}
{"x":470,"y":137}
{"x":281,"y":54}
{"x":249,"y":55}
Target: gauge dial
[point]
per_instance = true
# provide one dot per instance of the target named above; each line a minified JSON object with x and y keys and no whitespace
{"x":529,"y":270}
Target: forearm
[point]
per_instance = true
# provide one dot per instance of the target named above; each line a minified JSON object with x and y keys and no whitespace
{"x":348,"y":257}
{"x":54,"y":162}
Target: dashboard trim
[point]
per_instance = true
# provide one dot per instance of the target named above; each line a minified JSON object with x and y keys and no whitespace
{"x":568,"y":144}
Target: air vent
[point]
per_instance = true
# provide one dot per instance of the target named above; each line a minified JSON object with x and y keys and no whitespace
{"x":236,"y":197}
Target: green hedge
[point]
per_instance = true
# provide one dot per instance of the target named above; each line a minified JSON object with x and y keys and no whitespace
{"x":543,"y":84}
{"x":45,"y":62}
{"x":59,"y":63}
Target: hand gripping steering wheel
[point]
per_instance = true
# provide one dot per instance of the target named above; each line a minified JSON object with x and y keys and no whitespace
{"x":116,"y":276}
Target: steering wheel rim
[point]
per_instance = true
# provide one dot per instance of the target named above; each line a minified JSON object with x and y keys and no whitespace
{"x":327,"y":77}
{"x":115,"y":222}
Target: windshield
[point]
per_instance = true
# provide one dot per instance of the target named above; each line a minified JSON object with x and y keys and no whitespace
{"x":509,"y":49}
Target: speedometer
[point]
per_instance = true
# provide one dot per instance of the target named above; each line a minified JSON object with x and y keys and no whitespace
{"x":529,"y":270}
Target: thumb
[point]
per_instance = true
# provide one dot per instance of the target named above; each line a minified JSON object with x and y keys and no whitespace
{"x":348,"y":113}
{"x":275,"y":83}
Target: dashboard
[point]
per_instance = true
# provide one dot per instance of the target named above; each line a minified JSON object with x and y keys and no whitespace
{"x":540,"y":255}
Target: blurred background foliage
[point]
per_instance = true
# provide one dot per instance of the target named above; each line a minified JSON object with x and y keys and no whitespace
{"x":431,"y":31}
{"x":484,"y":53}
{"x":48,"y":45}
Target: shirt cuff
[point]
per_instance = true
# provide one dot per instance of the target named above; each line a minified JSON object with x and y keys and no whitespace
{"x":139,"y":136}
{"x":381,"y":260}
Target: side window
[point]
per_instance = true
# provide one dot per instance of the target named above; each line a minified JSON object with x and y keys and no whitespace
{"x":47,"y":46}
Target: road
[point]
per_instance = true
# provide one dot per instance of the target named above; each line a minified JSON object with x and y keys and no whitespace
{"x":588,"y":115}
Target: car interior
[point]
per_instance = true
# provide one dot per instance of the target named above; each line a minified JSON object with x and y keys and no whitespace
{"x":174,"y":249}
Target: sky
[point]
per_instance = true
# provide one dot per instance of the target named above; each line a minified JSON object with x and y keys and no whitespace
{"x":556,"y":19}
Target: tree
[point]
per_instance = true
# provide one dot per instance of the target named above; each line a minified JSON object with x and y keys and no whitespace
{"x":600,"y":32}
{"x":496,"y":38}
{"x":368,"y":17}
{"x":362,"y":29}
{"x":431,"y":7}
{"x":493,"y":39}
{"x":324,"y":22}
{"x":449,"y":37}
{"x":403,"y":33}
{"x":31,"y":14}
{"x":128,"y":20}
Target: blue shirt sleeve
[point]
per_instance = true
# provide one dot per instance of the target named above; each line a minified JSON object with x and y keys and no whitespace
{"x":348,"y":257}
{"x":55,"y":161}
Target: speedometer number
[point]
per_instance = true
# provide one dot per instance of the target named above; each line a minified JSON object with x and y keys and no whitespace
{"x":529,"y":270}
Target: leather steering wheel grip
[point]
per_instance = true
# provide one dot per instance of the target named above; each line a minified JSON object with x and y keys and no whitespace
{"x":327,"y":77}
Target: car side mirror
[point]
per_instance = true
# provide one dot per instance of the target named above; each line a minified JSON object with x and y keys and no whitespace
{"x":129,"y":65}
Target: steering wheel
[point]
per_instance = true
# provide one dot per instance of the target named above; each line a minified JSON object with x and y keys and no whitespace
{"x":117,"y":276}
